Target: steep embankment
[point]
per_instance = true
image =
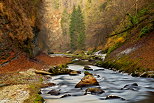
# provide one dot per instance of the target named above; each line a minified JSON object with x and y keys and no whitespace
{"x":19,"y":28}
{"x":20,"y":43}
{"x":130,"y":46}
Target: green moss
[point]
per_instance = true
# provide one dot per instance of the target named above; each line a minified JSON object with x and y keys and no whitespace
{"x":58,"y":70}
{"x":34,"y":96}
{"x":114,"y":47}
{"x":38,"y":99}
{"x":126,"y":65}
{"x":63,"y":66}
{"x":82,"y":56}
{"x":147,"y":29}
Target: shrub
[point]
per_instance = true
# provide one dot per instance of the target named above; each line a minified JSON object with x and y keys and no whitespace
{"x":145,"y":30}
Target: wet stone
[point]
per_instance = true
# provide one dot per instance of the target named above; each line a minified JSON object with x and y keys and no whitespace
{"x":87,"y":73}
{"x":99,"y":70}
{"x":66,"y":95}
{"x":133,"y":87}
{"x":59,"y":70}
{"x":87,"y":80}
{"x":114,"y":97}
{"x":88,"y":68}
{"x":94,"y":91}
{"x":73,"y":73}
{"x":54,"y":92}
{"x":48,"y":85}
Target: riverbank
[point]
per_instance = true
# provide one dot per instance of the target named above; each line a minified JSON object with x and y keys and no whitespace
{"x":135,"y":58}
{"x":136,"y":61}
{"x":19,"y":82}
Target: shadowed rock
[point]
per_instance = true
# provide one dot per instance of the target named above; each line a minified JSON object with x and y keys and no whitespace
{"x":87,"y":80}
{"x":47,"y":85}
{"x":114,"y":97}
{"x":87,"y":68}
{"x":95,"y":91}
{"x":99,"y":70}
{"x":54,"y":92}
{"x":133,"y":86}
{"x":66,"y":95}
{"x":87,"y":73}
{"x":73,"y":72}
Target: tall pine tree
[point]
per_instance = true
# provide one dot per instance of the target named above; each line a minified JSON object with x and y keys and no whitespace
{"x":81,"y":29}
{"x":72,"y":30}
{"x":77,"y":29}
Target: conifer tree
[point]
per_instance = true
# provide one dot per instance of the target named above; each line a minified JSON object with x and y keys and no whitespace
{"x":72,"y":29}
{"x":81,"y":29}
{"x":77,"y":29}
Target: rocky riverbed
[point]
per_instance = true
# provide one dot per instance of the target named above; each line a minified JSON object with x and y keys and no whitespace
{"x":112,"y":87}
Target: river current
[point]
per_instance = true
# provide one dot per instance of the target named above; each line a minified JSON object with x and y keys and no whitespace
{"x":110,"y":81}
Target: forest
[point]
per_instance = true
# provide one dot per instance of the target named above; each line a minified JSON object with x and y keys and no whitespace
{"x":61,"y":51}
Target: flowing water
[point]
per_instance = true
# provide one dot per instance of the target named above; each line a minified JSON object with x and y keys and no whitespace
{"x":110,"y":81}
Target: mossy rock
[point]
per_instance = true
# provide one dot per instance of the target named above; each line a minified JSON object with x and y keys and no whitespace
{"x":73,"y":73}
{"x":87,"y":73}
{"x":58,"y":70}
{"x":87,"y":68}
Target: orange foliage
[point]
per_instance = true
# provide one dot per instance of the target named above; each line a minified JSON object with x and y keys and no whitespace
{"x":42,"y":61}
{"x":100,"y":47}
{"x":90,"y":48}
{"x":120,"y":40}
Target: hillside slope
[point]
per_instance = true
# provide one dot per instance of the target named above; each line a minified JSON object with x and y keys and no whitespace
{"x":130,"y":46}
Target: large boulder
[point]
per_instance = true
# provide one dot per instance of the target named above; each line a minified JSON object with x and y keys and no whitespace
{"x":57,"y":70}
{"x":87,"y":80}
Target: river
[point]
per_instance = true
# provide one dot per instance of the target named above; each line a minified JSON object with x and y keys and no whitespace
{"x":110,"y":81}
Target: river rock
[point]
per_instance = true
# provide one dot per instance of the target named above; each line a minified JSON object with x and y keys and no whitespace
{"x":87,"y":73}
{"x":87,"y":68}
{"x":59,"y":70}
{"x":48,"y":85}
{"x":96,"y":90}
{"x":99,"y":69}
{"x":114,"y":97}
{"x":66,"y":95}
{"x":54,"y":92}
{"x":149,"y":74}
{"x":87,"y":80}
{"x":73,"y":72}
{"x":133,"y":86}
